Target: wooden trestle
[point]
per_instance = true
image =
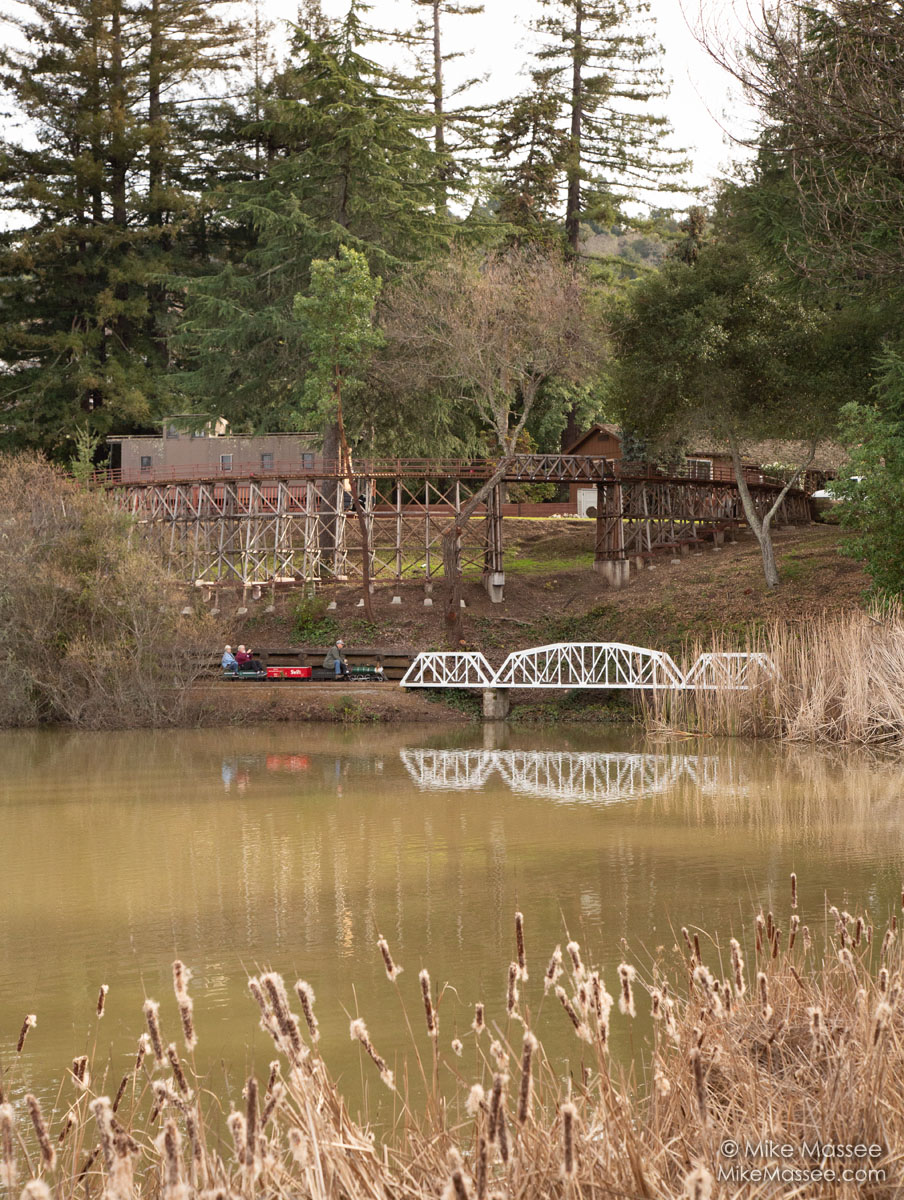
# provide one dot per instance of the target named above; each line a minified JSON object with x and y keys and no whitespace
{"x":253,"y":528}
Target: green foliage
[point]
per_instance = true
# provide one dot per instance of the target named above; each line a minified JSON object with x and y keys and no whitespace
{"x":83,"y":465}
{"x":872,"y":490}
{"x":310,"y":622}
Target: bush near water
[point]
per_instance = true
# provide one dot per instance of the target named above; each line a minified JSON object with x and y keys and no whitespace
{"x":794,"y":1039}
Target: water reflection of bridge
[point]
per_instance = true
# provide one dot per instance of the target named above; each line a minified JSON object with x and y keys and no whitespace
{"x":563,"y":775}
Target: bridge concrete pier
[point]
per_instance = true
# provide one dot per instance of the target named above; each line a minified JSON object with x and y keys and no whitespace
{"x":616,"y":571}
{"x":496,"y":704}
{"x":494,"y":582}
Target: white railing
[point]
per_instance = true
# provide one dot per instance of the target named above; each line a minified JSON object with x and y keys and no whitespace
{"x":601,"y":665}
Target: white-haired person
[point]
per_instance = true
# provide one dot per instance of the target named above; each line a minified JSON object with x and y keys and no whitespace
{"x":228,"y":661}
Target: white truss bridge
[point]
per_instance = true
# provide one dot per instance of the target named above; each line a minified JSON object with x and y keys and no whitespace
{"x":564,"y":776}
{"x":604,"y":665}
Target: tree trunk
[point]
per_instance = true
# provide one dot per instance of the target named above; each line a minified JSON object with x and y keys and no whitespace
{"x":455,"y":630}
{"x":439,"y":125}
{"x":359,"y":510}
{"x":573,"y":201}
{"x":762,"y":528}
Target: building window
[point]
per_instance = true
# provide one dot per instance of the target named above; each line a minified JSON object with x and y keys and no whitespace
{"x":198,"y":433}
{"x":225,"y":462}
{"x":145,"y":462}
{"x":172,"y":431}
{"x":266,"y":462}
{"x":307,"y":461}
{"x":700,"y":468}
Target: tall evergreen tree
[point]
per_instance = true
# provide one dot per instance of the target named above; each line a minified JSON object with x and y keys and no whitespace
{"x":98,"y":205}
{"x":584,"y":137}
{"x":352,"y":165}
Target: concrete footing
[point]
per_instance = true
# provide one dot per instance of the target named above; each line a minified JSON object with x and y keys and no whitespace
{"x":496,"y":704}
{"x":494,"y":583}
{"x":615,"y":571}
{"x":396,"y":600}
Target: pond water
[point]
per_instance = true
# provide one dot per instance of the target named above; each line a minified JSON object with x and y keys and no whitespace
{"x":294,"y":847}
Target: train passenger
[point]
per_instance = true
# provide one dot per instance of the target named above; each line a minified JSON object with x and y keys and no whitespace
{"x":246,"y":661}
{"x":228,"y":661}
{"x":336,"y":661}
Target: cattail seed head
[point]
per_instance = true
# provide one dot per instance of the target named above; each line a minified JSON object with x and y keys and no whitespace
{"x":236,"y":1123}
{"x":476,"y":1100}
{"x":144,"y":1049}
{"x":8,"y":1171}
{"x":457,"y":1047}
{"x":358,"y":1033}
{"x":178,"y":1074}
{"x":696,"y":1061}
{"x":817,"y":1026}
{"x":286,"y":1021}
{"x":626,"y":974}
{"x":251,"y":1122}
{"x":511,"y":1002}
{"x":808,"y":941}
{"x":528,"y":1050}
{"x":103,"y":1114}
{"x":795,"y":925}
{"x":793,"y":890}
{"x":580,"y":1027}
{"x":553,"y":971}
{"x":499,"y":1081}
{"x":698,"y":1185}
{"x":883,"y":980}
{"x":36,"y":1189}
{"x":152,"y":1016}
{"x":48,"y":1154}
{"x":392,"y":971}
{"x":763,"y":985}
{"x":481,"y":1173}
{"x":80,"y":1072}
{"x":29,"y":1023}
{"x":519,"y":941}
{"x":429,"y":1010}
{"x":478,"y":1024}
{"x":102,"y":999}
{"x":306,"y":998}
{"x":881,"y":1018}
{"x":578,"y":967}
{"x":499,"y":1055}
{"x":181,"y":977}
{"x":737,"y":963}
{"x":569,"y":1120}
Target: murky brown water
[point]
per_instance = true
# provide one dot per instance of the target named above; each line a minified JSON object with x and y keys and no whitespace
{"x":293,"y":847}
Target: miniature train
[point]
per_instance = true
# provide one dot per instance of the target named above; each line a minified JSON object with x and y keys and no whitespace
{"x":313,"y":674}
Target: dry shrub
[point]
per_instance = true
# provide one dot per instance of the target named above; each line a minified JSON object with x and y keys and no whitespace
{"x":90,"y":632}
{"x":797,"y":1046}
{"x":839,"y":678}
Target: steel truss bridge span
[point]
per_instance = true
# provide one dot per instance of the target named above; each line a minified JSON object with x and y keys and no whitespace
{"x":601,"y":665}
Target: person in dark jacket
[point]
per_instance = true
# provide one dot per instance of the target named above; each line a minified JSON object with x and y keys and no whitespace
{"x":336,"y":661}
{"x":247,"y":662}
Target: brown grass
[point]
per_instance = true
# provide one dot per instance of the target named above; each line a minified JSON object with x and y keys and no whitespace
{"x":794,"y":1047}
{"x":839,"y":678}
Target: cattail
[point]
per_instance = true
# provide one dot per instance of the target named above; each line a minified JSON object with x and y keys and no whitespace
{"x":181,"y":1082}
{"x":760,"y":926}
{"x":481,"y":1179}
{"x":251,"y":1130}
{"x":429,"y":1010}
{"x":392,"y":971}
{"x":478,"y":1024}
{"x":8,"y":1145}
{"x":274,"y":1075}
{"x":29,"y":1023}
{"x":846,"y":959}
{"x":120,"y":1091}
{"x":881,"y":1017}
{"x":580,"y":1027}
{"x":887,"y":942}
{"x":495,"y":1104}
{"x":502,"y":1136}
{"x":530,"y":1045}
{"x":697,"y":955}
{"x":737,"y":963}
{"x":274,"y":1097}
{"x":511,"y":1002}
{"x":68,"y":1122}
{"x":553,"y":971}
{"x":187,"y":1016}
{"x":358,"y":1033}
{"x":519,"y":941}
{"x":569,"y":1117}
{"x":793,"y":890}
{"x":236,"y":1123}
{"x":457,"y":1187}
{"x":306,"y":999}
{"x":103,"y":1116}
{"x":80,"y":1072}
{"x":626,"y":974}
{"x":102,"y":999}
{"x":795,"y":925}
{"x":764,"y":995}
{"x":660,"y":1081}
{"x":499,"y":1055}
{"x":696,"y":1061}
{"x":698,"y":1185}
{"x":476,"y":1100}
{"x":817,"y":1026}
{"x":575,"y":951}
{"x":169,"y":1145}
{"x":858,"y":931}
{"x":770,"y":925}
{"x":808,"y":941}
{"x":286,"y":1021}
{"x":144,"y":1047}
{"x":687,"y":939}
{"x":181,"y":976}
{"x":776,"y":941}
{"x":48,"y":1154}
{"x":883,"y":980}
{"x":152,"y":1016}
{"x":36,"y":1189}
{"x":656,"y":1004}
{"x":457,"y":1047}
{"x":726,"y":995}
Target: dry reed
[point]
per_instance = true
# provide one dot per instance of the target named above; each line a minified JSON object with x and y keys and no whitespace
{"x":837,"y":678}
{"x":802,"y":1048}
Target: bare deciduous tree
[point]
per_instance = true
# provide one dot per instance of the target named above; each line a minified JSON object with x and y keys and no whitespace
{"x":488,"y":333}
